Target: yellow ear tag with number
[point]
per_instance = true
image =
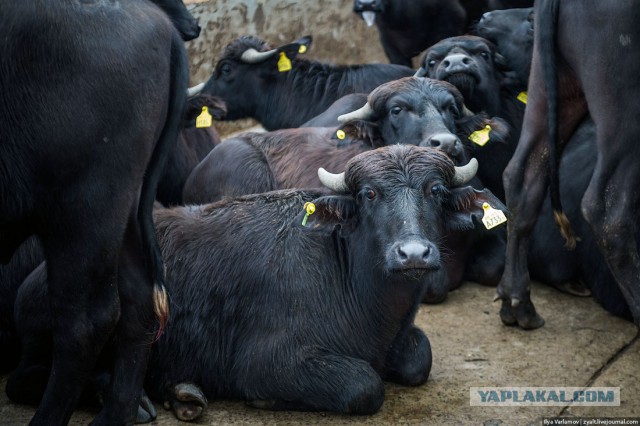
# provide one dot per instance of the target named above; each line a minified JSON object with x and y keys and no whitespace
{"x":480,"y":137}
{"x":492,"y":217}
{"x":302,"y":49}
{"x":310,"y":209}
{"x":284,"y":64}
{"x":340,"y":134}
{"x":204,"y":119}
{"x":522,"y":97}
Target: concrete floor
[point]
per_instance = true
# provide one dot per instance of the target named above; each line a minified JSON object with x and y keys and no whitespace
{"x":580,"y":345}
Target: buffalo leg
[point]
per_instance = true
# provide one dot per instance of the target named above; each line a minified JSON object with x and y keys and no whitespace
{"x":611,"y":201}
{"x":320,"y":382}
{"x":134,"y":335}
{"x":409,"y":361}
{"x":84,"y":303}
{"x":610,"y":205}
{"x":526,"y":181}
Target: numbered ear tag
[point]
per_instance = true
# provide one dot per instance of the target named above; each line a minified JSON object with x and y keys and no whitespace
{"x":492,"y":217}
{"x":340,"y":134}
{"x":522,"y":97}
{"x":480,"y":137}
{"x":204,"y":119}
{"x":302,"y":49}
{"x":310,"y":209}
{"x":284,"y":64}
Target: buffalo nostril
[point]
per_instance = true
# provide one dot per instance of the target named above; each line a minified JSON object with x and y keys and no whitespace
{"x":465,"y":61}
{"x":444,"y":141}
{"x":446,"y":63}
{"x":413,"y":251}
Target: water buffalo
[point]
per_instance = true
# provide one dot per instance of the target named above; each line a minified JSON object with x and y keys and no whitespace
{"x":565,"y":84}
{"x":292,"y":93}
{"x":411,"y":110}
{"x":408,"y":27}
{"x":477,"y":69}
{"x":511,"y":31}
{"x":303,"y":299}
{"x":91,"y":95}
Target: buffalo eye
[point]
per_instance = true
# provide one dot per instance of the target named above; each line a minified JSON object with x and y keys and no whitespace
{"x":225,"y":69}
{"x":485,"y":55}
{"x":438,"y":189}
{"x":431,"y":63}
{"x":396,"y":110}
{"x":370,"y":194}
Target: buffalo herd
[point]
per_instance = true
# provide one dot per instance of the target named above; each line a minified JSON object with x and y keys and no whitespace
{"x":145,"y":258}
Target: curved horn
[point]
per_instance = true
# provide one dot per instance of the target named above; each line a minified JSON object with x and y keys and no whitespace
{"x":466,"y":111}
{"x":332,"y":181}
{"x":465,"y":173}
{"x":195,"y":90}
{"x":421,"y":72}
{"x":363,"y":113}
{"x":252,"y":56}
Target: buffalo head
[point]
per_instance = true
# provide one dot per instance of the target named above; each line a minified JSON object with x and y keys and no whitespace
{"x":470,"y":63}
{"x":368,"y":9}
{"x":418,"y":111}
{"x":245,"y":67}
{"x":398,"y":201}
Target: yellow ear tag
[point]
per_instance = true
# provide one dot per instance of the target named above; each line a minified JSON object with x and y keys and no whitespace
{"x":480,"y":137}
{"x":284,"y":64}
{"x":340,"y":134}
{"x":204,"y":119}
{"x":522,"y":97}
{"x":492,"y":217}
{"x":310,"y":209}
{"x":302,"y":49}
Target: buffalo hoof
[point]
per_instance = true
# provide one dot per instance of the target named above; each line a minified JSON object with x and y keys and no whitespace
{"x":187,"y":402}
{"x":146,"y":410}
{"x":520,"y":313}
{"x":574,"y":288}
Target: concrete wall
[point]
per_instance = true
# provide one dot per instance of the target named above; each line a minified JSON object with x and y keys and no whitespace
{"x":339,"y":35}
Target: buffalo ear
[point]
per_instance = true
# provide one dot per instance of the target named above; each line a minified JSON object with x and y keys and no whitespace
{"x":193,"y":108}
{"x":467,"y":125}
{"x":464,"y":209}
{"x":300,"y":46}
{"x":500,"y":129}
{"x":330,"y":213}
{"x":361,"y":131}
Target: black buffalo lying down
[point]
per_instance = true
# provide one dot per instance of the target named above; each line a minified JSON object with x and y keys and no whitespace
{"x":294,"y":311}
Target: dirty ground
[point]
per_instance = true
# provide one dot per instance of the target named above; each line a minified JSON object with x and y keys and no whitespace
{"x":580,"y":345}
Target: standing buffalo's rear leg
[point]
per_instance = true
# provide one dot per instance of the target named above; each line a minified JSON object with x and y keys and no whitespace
{"x":133,"y":337}
{"x":84,"y":303}
{"x":318,"y":382}
{"x":526,"y":181}
{"x":409,"y":361}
